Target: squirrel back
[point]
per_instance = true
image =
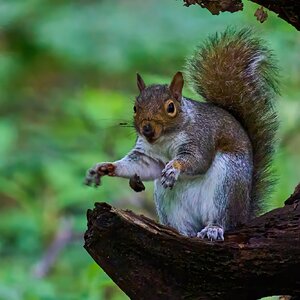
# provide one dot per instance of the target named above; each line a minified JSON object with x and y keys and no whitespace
{"x":236,"y":72}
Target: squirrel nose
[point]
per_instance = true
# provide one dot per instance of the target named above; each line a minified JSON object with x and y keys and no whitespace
{"x":148,"y":130}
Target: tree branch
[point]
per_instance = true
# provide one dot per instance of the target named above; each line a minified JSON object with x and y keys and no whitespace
{"x":150,"y":261}
{"x":288,"y":10}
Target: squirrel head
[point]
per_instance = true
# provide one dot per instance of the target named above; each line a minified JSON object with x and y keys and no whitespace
{"x":157,"y":109}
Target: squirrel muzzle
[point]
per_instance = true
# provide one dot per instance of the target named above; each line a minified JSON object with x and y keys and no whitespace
{"x":151,"y":130}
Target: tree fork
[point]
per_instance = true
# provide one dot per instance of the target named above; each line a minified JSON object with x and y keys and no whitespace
{"x":151,"y":261}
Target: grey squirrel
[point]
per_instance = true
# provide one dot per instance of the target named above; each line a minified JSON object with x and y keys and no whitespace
{"x":209,"y":161}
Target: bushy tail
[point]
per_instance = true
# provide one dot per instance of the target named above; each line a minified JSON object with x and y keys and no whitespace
{"x":234,"y":70}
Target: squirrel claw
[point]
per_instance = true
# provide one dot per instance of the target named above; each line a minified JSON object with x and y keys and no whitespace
{"x":169,"y":176}
{"x":212,"y":232}
{"x":94,"y":174}
{"x":92,"y":177}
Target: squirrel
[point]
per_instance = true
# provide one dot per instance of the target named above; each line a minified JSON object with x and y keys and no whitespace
{"x":209,"y":160}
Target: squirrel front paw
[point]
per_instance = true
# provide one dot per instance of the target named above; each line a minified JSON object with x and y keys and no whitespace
{"x":212,"y":232}
{"x":169,"y":175}
{"x":93,"y":175}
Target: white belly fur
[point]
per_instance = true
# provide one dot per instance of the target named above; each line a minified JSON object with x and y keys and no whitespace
{"x":190,"y":205}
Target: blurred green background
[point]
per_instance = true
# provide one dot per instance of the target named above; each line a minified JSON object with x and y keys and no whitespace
{"x":67,"y":78}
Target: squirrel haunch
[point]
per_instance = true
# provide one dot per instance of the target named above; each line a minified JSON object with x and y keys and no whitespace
{"x":235,"y":71}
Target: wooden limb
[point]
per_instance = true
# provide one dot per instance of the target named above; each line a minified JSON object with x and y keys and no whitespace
{"x":288,"y":10}
{"x":150,"y":261}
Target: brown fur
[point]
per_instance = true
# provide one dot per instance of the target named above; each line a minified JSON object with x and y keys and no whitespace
{"x":177,"y":165}
{"x":236,"y":72}
{"x":150,"y":109}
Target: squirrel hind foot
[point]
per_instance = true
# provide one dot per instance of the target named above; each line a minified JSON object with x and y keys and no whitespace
{"x":212,"y":233}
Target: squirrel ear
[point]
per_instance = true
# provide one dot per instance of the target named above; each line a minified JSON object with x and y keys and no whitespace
{"x":140,"y":82}
{"x":176,"y":86}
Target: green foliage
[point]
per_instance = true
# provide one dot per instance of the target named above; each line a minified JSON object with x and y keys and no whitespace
{"x":67,"y":79}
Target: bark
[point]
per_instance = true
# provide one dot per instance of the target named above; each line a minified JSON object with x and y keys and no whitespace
{"x":288,"y":10}
{"x":151,"y":261}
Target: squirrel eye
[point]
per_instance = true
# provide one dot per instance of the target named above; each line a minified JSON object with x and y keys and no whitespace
{"x":134,"y":109}
{"x":170,"y":108}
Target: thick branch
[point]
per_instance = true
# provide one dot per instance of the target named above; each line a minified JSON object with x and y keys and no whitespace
{"x":288,"y":10}
{"x":150,"y":261}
